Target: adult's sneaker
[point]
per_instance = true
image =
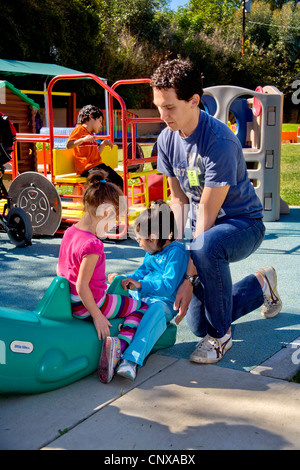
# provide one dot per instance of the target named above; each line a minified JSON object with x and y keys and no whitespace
{"x":210,"y":350}
{"x":110,"y":356}
{"x":272,"y":302}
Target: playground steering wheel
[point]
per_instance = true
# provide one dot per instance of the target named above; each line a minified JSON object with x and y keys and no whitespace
{"x":38,"y":197}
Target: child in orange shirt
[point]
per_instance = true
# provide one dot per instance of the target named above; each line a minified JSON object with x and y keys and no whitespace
{"x":86,"y":150}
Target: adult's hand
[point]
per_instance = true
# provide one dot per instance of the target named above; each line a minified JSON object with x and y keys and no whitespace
{"x":182,"y":301}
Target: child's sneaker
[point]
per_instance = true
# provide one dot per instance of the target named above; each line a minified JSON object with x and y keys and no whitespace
{"x":210,"y":350}
{"x":272,"y":302}
{"x":110,"y":356}
{"x":127,"y":369}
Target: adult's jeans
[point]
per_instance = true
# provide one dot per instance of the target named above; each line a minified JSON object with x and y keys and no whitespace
{"x":216,"y":302}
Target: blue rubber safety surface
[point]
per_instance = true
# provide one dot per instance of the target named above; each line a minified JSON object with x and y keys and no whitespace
{"x":256,"y":339}
{"x":25,"y":274}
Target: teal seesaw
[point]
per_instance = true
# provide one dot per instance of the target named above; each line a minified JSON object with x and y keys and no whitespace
{"x":47,"y":348}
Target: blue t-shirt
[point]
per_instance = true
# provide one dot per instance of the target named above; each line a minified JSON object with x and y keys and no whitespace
{"x":211,"y":156}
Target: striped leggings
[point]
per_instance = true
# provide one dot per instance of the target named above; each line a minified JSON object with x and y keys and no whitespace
{"x":120,"y":306}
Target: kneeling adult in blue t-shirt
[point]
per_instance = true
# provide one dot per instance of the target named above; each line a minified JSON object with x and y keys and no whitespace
{"x":207,"y":173}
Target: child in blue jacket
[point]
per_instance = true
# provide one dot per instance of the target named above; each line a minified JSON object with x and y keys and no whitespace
{"x":155,"y":281}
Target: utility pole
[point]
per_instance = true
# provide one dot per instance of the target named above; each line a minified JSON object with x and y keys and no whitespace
{"x":243,"y":26}
{"x":246,"y":7}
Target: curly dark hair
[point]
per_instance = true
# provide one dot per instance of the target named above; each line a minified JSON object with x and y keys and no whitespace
{"x":87,"y":111}
{"x":181,"y":75}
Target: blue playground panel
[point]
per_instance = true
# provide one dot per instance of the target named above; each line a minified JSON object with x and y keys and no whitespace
{"x":239,"y":109}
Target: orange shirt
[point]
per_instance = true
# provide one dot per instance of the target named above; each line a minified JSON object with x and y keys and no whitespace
{"x":86,"y":155}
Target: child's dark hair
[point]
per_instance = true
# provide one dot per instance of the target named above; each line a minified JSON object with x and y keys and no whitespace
{"x":99,"y":190}
{"x":87,"y":111}
{"x":159,"y":221}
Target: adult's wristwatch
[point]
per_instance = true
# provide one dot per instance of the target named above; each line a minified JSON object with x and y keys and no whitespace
{"x":194,"y":280}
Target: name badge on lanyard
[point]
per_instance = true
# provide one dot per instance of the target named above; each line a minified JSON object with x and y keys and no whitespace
{"x":193,"y":176}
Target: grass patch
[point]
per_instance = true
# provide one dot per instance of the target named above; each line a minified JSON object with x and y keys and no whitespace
{"x":64,"y":190}
{"x":289,"y":174}
{"x":290,"y":127}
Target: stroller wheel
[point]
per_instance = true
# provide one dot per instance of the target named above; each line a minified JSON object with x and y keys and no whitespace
{"x":19,"y":227}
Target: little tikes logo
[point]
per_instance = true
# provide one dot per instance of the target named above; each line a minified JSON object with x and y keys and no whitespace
{"x":19,"y":347}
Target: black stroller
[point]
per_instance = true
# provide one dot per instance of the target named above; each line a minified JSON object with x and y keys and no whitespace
{"x":14,"y":220}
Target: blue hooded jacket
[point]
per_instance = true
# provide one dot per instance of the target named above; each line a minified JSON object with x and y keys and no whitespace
{"x":162,"y":273}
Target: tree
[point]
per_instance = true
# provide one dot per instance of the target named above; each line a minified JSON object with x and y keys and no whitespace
{"x":111,"y":38}
{"x":274,"y":4}
{"x":50,"y":31}
{"x":120,"y":39}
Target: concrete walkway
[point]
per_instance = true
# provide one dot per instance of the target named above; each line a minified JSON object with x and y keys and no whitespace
{"x":173,"y":405}
{"x":243,"y":402}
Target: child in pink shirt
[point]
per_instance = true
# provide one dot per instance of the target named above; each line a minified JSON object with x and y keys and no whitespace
{"x":82,"y":262}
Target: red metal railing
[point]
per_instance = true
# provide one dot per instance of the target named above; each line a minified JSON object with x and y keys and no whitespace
{"x":133,"y":122}
{"x":126,"y":120}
